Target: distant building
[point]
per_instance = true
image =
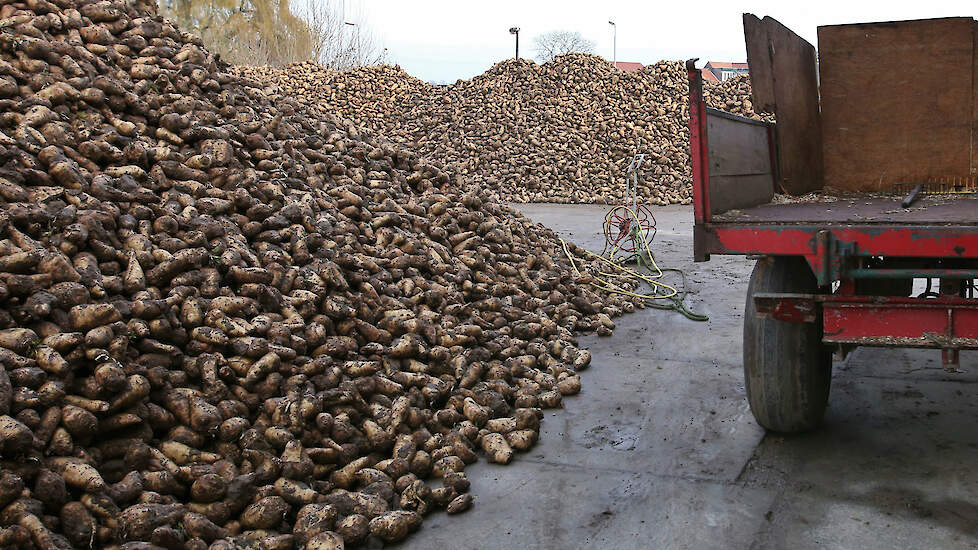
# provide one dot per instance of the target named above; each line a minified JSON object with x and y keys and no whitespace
{"x":628,"y":66}
{"x":722,"y":71}
{"x":709,"y":77}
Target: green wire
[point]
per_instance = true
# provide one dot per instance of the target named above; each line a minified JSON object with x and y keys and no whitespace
{"x":677,"y":302}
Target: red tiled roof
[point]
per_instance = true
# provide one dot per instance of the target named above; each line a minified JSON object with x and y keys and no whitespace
{"x":709,"y":77}
{"x":628,"y":66}
{"x":725,"y":65}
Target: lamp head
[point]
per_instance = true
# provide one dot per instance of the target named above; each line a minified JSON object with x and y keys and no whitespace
{"x":514,"y":30}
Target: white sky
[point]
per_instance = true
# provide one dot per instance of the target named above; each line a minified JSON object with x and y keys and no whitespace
{"x":444,"y":40}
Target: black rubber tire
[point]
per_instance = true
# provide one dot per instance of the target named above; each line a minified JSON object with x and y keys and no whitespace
{"x":787,"y":369}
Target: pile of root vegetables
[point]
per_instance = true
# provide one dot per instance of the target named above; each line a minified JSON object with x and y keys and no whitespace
{"x":230,"y":320}
{"x":564,"y":131}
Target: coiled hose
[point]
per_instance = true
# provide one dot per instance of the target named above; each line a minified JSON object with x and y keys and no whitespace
{"x":635,"y":226}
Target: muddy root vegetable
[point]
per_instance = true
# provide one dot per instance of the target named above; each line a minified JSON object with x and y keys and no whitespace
{"x":80,"y":423}
{"x":521,"y":440}
{"x":18,"y":340}
{"x":6,"y":392}
{"x":208,"y":488}
{"x":15,"y":438}
{"x":139,"y":520}
{"x":326,"y":540}
{"x":78,"y":474}
{"x":50,"y":488}
{"x":79,"y":525}
{"x":353,"y":528}
{"x":395,"y":526}
{"x":459,"y":504}
{"x":550,"y":399}
{"x":457,"y":481}
{"x":127,"y":489}
{"x":312,"y":520}
{"x":42,"y":538}
{"x":569,"y":386}
{"x":496,"y":448}
{"x":13,"y":536}
{"x":198,"y":526}
{"x":582,"y":359}
{"x":265,"y":514}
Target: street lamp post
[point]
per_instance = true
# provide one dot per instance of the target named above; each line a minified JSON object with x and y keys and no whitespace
{"x":516,"y":31}
{"x":614,"y":46}
{"x":341,"y":53}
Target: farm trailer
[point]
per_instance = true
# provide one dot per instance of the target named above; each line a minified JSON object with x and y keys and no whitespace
{"x":890,"y":106}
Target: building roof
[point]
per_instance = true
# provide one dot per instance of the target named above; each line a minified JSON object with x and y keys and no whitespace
{"x":725,"y":65}
{"x":709,"y":76}
{"x":628,"y":66}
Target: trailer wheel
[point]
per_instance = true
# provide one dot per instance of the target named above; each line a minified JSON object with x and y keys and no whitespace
{"x":787,"y":369}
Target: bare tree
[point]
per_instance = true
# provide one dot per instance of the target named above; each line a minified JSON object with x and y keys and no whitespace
{"x":249,"y":32}
{"x":338,"y":44}
{"x":550,"y":45}
{"x":272,"y":32}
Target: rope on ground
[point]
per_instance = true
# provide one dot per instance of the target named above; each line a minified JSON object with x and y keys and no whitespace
{"x":636,"y":228}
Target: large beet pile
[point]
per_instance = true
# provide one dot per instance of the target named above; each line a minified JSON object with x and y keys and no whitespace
{"x":564,"y":131}
{"x":229,"y":321}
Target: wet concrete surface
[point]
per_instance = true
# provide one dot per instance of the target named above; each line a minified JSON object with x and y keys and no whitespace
{"x":660,"y":449}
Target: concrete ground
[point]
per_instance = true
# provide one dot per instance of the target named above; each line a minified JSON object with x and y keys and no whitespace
{"x":660,"y":450}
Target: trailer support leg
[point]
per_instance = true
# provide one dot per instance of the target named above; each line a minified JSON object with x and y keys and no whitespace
{"x":949,"y":359}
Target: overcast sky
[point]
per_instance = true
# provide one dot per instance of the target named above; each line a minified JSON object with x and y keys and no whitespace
{"x":445,"y":40}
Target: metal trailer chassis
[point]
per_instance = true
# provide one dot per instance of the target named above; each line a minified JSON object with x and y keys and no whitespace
{"x":856,"y":294}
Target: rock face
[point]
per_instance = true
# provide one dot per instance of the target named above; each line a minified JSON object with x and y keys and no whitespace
{"x":232,"y":320}
{"x":564,"y":131}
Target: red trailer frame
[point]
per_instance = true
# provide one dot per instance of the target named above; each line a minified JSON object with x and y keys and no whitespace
{"x":840,"y":253}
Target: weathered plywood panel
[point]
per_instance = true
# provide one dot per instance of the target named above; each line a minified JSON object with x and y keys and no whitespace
{"x":739,"y":163}
{"x":974,"y":100}
{"x":785,"y":66}
{"x":898,"y":101}
{"x":736,"y":192}
{"x":760,"y":63}
{"x":736,"y":147}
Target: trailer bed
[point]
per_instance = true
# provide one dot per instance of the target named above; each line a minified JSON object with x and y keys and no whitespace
{"x":954,"y":210}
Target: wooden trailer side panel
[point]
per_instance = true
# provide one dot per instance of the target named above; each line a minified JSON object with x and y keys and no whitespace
{"x":739,"y":160}
{"x":898,"y":102}
{"x":784,"y":80}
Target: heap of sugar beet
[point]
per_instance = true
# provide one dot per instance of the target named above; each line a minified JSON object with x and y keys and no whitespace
{"x":231,"y":320}
{"x":564,"y":131}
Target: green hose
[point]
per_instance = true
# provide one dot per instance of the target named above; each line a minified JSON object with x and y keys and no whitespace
{"x":676,"y":303}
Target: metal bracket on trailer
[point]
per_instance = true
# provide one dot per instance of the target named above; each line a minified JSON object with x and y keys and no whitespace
{"x":830,"y":258}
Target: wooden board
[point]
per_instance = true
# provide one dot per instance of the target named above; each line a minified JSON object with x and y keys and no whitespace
{"x":739,"y":162}
{"x":898,"y":101}
{"x":737,"y":146}
{"x":759,"y":61}
{"x":785,"y":69}
{"x":974,"y":102}
{"x":862,"y":209}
